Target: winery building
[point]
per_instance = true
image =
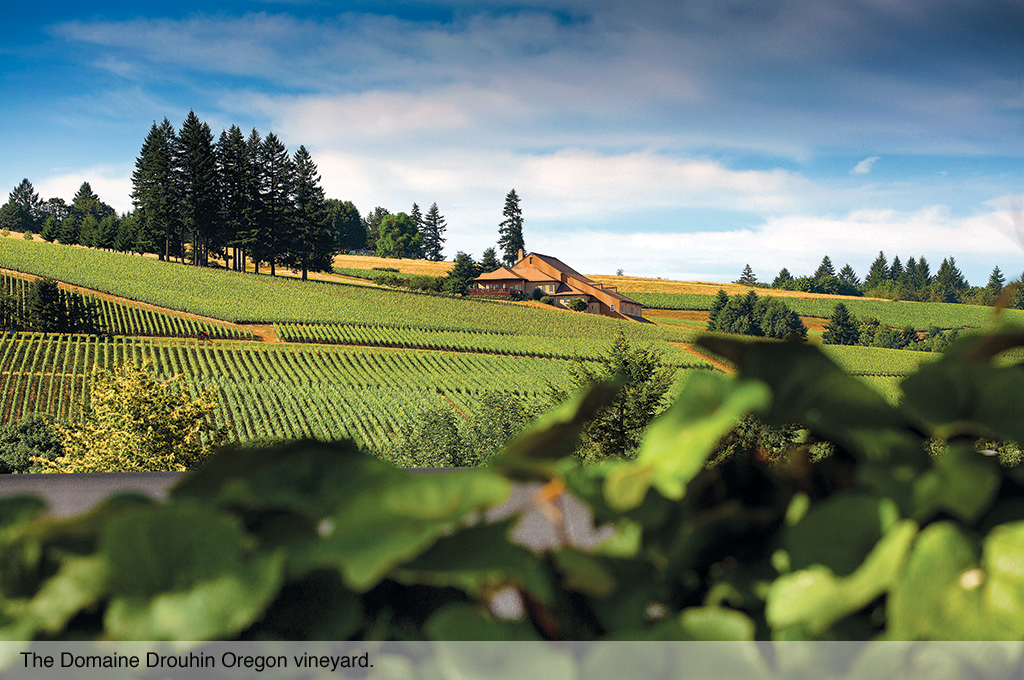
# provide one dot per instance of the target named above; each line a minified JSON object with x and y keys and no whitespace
{"x":562,"y":283}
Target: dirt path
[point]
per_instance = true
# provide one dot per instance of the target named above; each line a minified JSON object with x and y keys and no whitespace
{"x":688,"y":346}
{"x":264,"y":333}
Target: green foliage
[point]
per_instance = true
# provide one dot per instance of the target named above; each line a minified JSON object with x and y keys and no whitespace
{"x":33,"y":436}
{"x":747,"y":278}
{"x":842,"y":328}
{"x":577,"y":305}
{"x":136,"y":423}
{"x":312,"y":541}
{"x":48,"y":309}
{"x":510,"y":231}
{"x":616,"y":430}
{"x":750,"y":315}
{"x":440,"y":436}
{"x":399,"y":237}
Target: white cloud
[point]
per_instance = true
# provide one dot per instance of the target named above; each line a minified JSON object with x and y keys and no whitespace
{"x":864,"y":167}
{"x":796,"y":241}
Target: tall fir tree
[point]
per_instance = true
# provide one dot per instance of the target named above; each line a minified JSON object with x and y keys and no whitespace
{"x":996,"y":282}
{"x":747,"y":277}
{"x":252,"y":237}
{"x":825,"y":269}
{"x":153,"y":191}
{"x":489,"y":262}
{"x":842,"y":327}
{"x":434,"y":227}
{"x":278,"y":191}
{"x":510,"y":231}
{"x":878,"y":273}
{"x":23,"y":210}
{"x":233,"y":178}
{"x":197,"y":191}
{"x":313,"y":241}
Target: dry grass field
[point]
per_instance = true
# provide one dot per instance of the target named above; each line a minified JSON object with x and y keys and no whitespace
{"x":405,"y":266}
{"x":642,"y":285}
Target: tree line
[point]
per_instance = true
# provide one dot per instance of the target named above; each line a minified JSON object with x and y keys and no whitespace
{"x":240,"y":199}
{"x":894,"y":280}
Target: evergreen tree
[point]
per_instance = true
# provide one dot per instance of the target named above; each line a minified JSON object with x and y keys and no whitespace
{"x":252,"y":239}
{"x":153,"y":191}
{"x":346,"y":225}
{"x":23,"y":210}
{"x":825,"y":269}
{"x":278,"y":190}
{"x":461,"y":274}
{"x":896,"y":269}
{"x":996,"y":282}
{"x":747,"y":277}
{"x":842,"y":327}
{"x":489,"y":263}
{"x":848,"y":280}
{"x":616,"y":430}
{"x":721,"y":300}
{"x":949,"y":284}
{"x":776,"y":320}
{"x":197,"y":191}
{"x":417,"y":218}
{"x":784,"y":280}
{"x":922,"y":277}
{"x":234,"y":193}
{"x":433,"y":234}
{"x":314,"y":242}
{"x":510,"y":232}
{"x":878,"y":273}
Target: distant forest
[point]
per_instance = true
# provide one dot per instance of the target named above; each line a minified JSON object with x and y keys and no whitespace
{"x":895,"y":281}
{"x":237,"y":200}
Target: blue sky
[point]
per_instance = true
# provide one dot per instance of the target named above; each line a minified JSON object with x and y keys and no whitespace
{"x":675,"y":139}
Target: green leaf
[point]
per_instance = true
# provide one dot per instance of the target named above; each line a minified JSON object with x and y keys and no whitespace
{"x":466,"y":622}
{"x":19,"y":510}
{"x":962,"y":482}
{"x":479,"y":560}
{"x":948,"y":594}
{"x":678,"y":443}
{"x":184,"y":572}
{"x":974,"y":399}
{"x":309,"y":477}
{"x":837,"y":533}
{"x":809,"y":388}
{"x":813,"y":599}
{"x":396,"y":518}
{"x":716,"y":623}
{"x":80,"y":582}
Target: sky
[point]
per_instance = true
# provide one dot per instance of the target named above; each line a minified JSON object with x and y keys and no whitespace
{"x":668,"y":139}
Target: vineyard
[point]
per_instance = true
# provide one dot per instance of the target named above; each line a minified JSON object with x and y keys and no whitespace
{"x":275,"y":391}
{"x":468,"y":341}
{"x":248,"y":298}
{"x":118,"y":318}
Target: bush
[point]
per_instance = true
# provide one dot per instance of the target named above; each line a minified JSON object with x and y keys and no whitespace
{"x":34,"y":436}
{"x":547,"y":300}
{"x":577,"y":305}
